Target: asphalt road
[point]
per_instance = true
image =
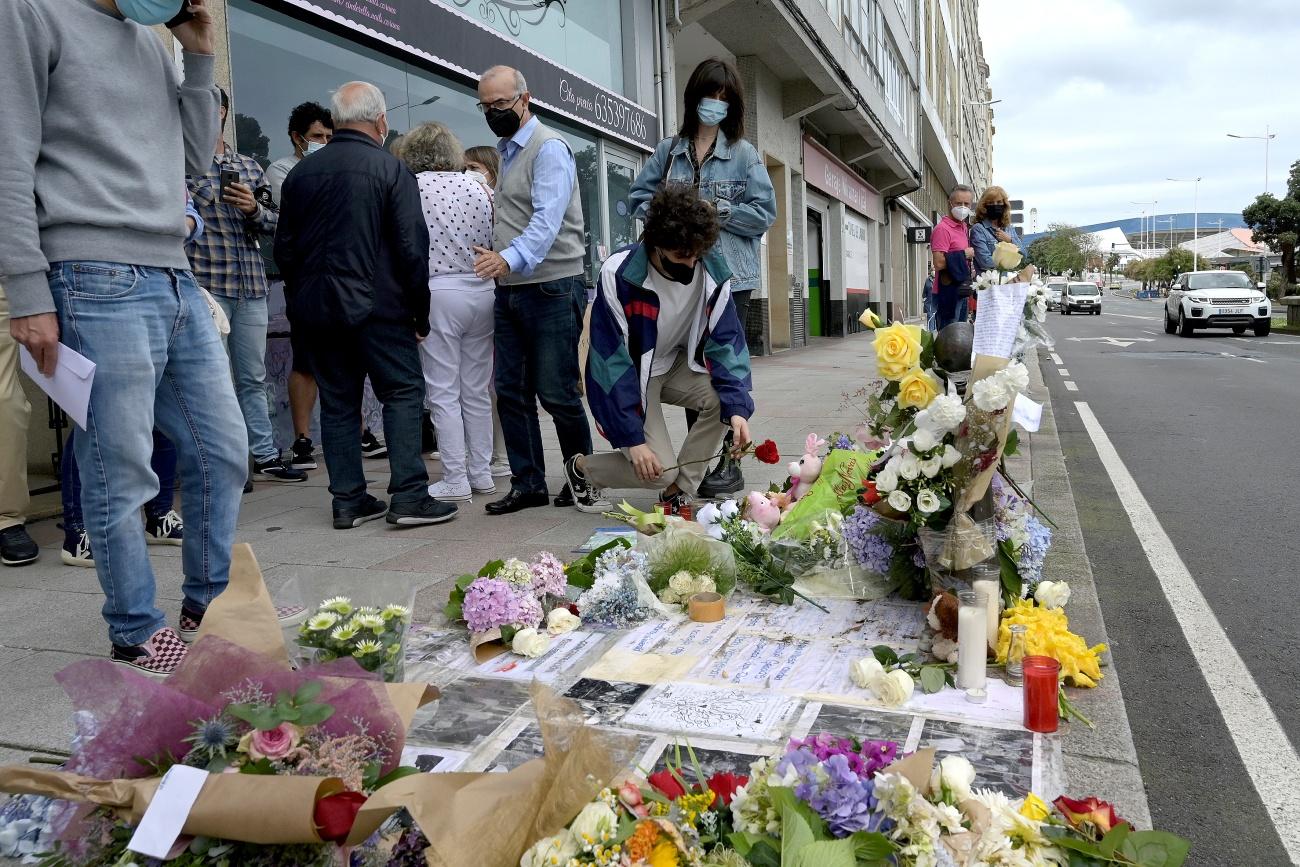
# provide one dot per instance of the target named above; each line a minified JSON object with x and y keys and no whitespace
{"x":1207,"y":426}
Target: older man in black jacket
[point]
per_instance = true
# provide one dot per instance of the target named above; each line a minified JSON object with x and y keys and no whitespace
{"x":353,"y":248}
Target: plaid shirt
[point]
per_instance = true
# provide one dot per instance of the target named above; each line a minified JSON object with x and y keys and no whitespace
{"x":226,"y":259}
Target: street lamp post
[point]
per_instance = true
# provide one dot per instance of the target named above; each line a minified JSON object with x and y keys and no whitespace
{"x":1142,"y":223}
{"x":1267,"y":137}
{"x":1196,"y":212}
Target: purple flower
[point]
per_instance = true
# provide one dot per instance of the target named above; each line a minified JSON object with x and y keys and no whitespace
{"x":491,"y":603}
{"x":548,"y":575}
{"x":833,"y":788}
{"x":1034,"y":551}
{"x":870,"y":549}
{"x":843,"y":442}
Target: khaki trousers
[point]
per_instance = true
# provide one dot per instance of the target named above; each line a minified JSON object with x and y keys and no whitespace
{"x":15,"y":412}
{"x":683,"y":387}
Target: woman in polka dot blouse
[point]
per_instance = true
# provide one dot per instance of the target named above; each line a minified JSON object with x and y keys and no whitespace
{"x":457,"y":354}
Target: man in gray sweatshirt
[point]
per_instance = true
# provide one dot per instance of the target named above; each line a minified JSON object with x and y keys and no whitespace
{"x":99,"y":128}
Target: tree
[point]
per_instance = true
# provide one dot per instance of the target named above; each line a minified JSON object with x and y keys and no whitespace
{"x":250,"y":139}
{"x":1112,"y":262}
{"x":1276,"y":222}
{"x":1064,"y":248}
{"x":1178,"y":261}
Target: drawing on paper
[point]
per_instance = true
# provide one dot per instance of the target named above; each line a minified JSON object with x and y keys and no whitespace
{"x":604,"y":702}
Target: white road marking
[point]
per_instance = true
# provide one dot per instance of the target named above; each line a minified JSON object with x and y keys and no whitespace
{"x":1070,"y":386}
{"x":1157,"y":333}
{"x":1261,"y":742}
{"x":1243,"y":357}
{"x":1114,"y":341}
{"x":1132,"y":316}
{"x":1056,"y":359}
{"x":1063,"y":371}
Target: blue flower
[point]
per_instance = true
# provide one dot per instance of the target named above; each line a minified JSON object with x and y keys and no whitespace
{"x":212,"y":737}
{"x":870,"y":549}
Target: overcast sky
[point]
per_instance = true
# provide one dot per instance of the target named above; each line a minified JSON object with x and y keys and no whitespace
{"x":1102,"y":100}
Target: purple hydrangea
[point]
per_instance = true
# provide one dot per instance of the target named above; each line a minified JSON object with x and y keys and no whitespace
{"x":866,"y":758}
{"x":870,"y":549}
{"x":1034,"y":551}
{"x":548,"y":575}
{"x":530,"y":612}
{"x":491,"y":603}
{"x":834,"y":791}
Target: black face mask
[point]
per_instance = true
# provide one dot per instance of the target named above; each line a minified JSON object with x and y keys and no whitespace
{"x":995,"y":212}
{"x":678,"y":272}
{"x":502,"y":121}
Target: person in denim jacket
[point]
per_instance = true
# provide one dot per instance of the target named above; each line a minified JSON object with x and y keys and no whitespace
{"x":992,"y":225}
{"x":710,"y":153}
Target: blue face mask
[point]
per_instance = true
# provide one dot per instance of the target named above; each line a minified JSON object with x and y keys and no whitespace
{"x":149,"y":12}
{"x":313,"y":146}
{"x":711,"y":112}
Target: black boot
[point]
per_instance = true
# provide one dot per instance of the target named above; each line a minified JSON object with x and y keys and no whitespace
{"x":726,"y":478}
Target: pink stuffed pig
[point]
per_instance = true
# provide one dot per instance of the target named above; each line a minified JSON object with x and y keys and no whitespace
{"x":807,"y":469}
{"x":763,"y":511}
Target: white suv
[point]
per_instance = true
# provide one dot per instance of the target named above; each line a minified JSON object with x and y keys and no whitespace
{"x":1081,"y":298}
{"x":1216,"y":299}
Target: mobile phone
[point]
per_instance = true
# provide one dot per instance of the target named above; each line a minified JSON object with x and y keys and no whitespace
{"x":228,"y":177}
{"x":182,"y":16}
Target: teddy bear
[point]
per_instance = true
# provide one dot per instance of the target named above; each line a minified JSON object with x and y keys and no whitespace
{"x":805,"y":471}
{"x":941,"y":616}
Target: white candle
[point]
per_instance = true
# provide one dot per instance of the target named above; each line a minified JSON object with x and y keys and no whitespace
{"x":993,"y":598}
{"x":972,"y":646}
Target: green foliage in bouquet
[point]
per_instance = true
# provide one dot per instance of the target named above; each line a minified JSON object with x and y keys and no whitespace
{"x":694,"y":554}
{"x":807,"y":842}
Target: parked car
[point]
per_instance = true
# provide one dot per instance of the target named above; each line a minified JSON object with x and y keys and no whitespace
{"x":1217,"y":299}
{"x":1081,"y":298}
{"x":1055,"y":286}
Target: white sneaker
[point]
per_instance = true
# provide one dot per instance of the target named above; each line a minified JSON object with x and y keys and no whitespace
{"x":485,"y":486}
{"x":499,"y":468}
{"x":448,"y":493}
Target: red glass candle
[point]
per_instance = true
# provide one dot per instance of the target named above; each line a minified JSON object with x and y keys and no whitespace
{"x":1042,"y":680}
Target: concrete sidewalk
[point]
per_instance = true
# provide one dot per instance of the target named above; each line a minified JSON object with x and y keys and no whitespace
{"x":50,"y":616}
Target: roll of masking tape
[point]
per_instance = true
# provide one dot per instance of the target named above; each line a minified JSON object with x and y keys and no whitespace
{"x":706,"y":607}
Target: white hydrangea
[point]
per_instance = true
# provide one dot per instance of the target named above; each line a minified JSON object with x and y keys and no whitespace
{"x":946,"y":413}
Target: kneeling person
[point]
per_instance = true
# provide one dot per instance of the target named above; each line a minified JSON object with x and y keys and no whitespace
{"x":664,"y":330}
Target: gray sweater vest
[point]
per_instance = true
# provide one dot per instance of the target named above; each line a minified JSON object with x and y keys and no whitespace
{"x":514,"y":210}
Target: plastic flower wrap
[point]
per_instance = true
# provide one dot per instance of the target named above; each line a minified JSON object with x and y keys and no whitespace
{"x":620,"y":595}
{"x":371,"y":636}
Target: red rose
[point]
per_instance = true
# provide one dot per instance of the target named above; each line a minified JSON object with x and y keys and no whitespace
{"x":767,"y":453}
{"x":869,"y":496}
{"x":724,"y":785}
{"x":335,"y":814}
{"x":1090,"y":811}
{"x":667,"y":784}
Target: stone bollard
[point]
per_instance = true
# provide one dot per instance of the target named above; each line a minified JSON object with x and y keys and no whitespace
{"x":1292,"y":304}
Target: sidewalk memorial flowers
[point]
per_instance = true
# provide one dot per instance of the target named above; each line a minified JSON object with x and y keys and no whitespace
{"x":372,"y":636}
{"x":510,"y":597}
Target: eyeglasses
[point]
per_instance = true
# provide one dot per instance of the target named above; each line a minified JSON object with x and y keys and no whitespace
{"x":499,"y":105}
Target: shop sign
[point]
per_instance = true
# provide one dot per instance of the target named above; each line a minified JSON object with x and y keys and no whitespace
{"x":826,"y":173}
{"x":857,"y":255}
{"x":455,"y":41}
{"x":918,"y":234}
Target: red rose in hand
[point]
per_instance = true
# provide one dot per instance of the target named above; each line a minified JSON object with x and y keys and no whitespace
{"x":869,"y":496}
{"x":767,"y":453}
{"x":724,"y":786}
{"x":667,"y":784}
{"x":335,"y":815}
{"x":1089,"y":811}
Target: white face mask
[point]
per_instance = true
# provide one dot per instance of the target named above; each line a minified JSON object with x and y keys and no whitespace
{"x":961,"y":213}
{"x":312,"y":147}
{"x":478,"y":176}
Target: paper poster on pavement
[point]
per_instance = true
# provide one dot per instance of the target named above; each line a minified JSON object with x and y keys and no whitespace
{"x":433,"y":760}
{"x":697,"y":709}
{"x":566,"y":651}
{"x":803,"y":620}
{"x":754,"y":660}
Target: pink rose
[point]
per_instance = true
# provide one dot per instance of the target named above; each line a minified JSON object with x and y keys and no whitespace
{"x":275,"y":743}
{"x":630,"y":795}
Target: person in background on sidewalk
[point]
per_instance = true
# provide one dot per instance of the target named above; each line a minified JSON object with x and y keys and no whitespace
{"x":483,"y":163}
{"x":664,"y":330}
{"x":952,"y":255}
{"x":227,"y":262}
{"x":992,"y":226}
{"x":16,"y":547}
{"x":457,"y":354}
{"x":310,"y":129}
{"x":99,"y":259}
{"x":354,"y":251}
{"x":928,"y":290}
{"x":537,"y":261}
{"x":711,"y":154}
{"x":162,"y":526}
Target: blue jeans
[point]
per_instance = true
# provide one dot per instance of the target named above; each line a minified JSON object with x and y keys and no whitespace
{"x":163,"y":463}
{"x":159,"y":362}
{"x":389,"y":353}
{"x":537,"y":330}
{"x":247,"y":346}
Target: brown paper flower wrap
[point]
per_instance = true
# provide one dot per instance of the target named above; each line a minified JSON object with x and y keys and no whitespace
{"x":240,"y":625}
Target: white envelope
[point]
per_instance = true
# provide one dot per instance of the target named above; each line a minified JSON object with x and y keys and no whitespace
{"x":70,"y":386}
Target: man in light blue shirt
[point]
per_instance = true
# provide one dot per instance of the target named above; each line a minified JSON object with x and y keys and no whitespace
{"x":537,"y":261}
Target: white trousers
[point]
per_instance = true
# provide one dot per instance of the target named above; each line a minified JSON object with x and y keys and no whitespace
{"x":457,"y":361}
